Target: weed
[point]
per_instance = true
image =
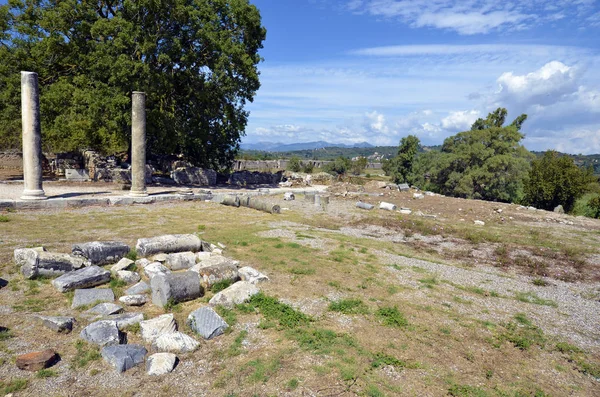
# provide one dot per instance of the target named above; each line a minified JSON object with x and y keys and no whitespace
{"x":5,"y":334}
{"x":220,"y":285}
{"x":292,"y":384}
{"x":85,"y":354}
{"x":131,"y":255}
{"x":261,"y":371}
{"x":565,"y":347}
{"x":4,"y":218}
{"x":236,"y":347}
{"x":349,"y":306}
{"x":173,"y":306}
{"x":272,"y":309}
{"x":117,"y":286}
{"x":335,"y":284}
{"x":302,"y":270}
{"x":445,"y":330}
{"x":458,"y":299}
{"x":466,"y":391}
{"x":531,"y":297}
{"x":30,"y":305}
{"x":373,"y":391}
{"x":14,"y":385}
{"x":391,"y":317}
{"x":540,"y":282}
{"x":45,"y":373}
{"x":489,"y":374}
{"x":381,"y":359}
{"x":228,"y":315}
{"x":132,"y":328}
{"x":321,"y":340}
{"x":522,"y":334}
{"x":429,"y":281}
{"x":201,"y":228}
{"x":418,"y":269}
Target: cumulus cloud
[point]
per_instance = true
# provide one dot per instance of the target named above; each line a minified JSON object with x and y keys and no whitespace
{"x":461,"y":120}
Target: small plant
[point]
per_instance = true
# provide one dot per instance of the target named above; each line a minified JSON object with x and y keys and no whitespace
{"x":117,"y":285}
{"x":173,"y":306}
{"x":228,"y":315}
{"x":4,"y":218}
{"x":85,"y":354}
{"x":540,"y":282}
{"x":522,"y":334}
{"x":391,"y":316}
{"x":133,"y":328}
{"x":302,"y":270}
{"x":292,"y":384}
{"x":220,"y":285}
{"x":565,"y":347}
{"x":5,"y":334}
{"x":272,"y":309}
{"x":466,"y":391}
{"x":531,"y":297}
{"x":201,"y":228}
{"x":381,"y":359}
{"x":45,"y":373}
{"x":131,"y":255}
{"x":12,"y":386}
{"x":349,"y":306}
{"x":236,"y":347}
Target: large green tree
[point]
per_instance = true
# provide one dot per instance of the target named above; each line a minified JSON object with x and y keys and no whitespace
{"x":196,"y":60}
{"x":401,"y":166}
{"x":554,"y":180}
{"x":488,"y":162}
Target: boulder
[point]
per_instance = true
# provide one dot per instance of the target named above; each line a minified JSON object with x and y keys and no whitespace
{"x":226,"y":270}
{"x":101,"y":252}
{"x":235,"y":294}
{"x":82,"y":278}
{"x":364,"y":206}
{"x":194,"y":176}
{"x":155,"y":268}
{"x":387,"y":206}
{"x":251,"y":275}
{"x":35,"y":361}
{"x":106,"y":309}
{"x":152,"y":329}
{"x":175,"y":287}
{"x":84,"y":297}
{"x":559,"y":209}
{"x":162,"y":258}
{"x":203,"y":255}
{"x":126,"y":319}
{"x":123,"y":357}
{"x":142,"y":263}
{"x":175,"y":342}
{"x":161,"y":363}
{"x":122,"y":264}
{"x":133,"y":300}
{"x":418,"y":196}
{"x":479,"y":223}
{"x":58,"y":324}
{"x":289,"y":196}
{"x":139,"y":288}
{"x":181,"y":260}
{"x":403,"y":187}
{"x":168,"y":243}
{"x":128,"y":277}
{"x":206,"y":322}
{"x":35,"y":263}
{"x":405,"y":211}
{"x":103,"y":333}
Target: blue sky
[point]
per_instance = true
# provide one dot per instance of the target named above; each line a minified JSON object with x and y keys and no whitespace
{"x":348,"y":71}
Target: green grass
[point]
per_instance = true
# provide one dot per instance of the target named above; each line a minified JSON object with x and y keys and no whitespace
{"x":117,"y":286}
{"x":429,"y":281}
{"x":273,"y":310}
{"x":565,"y":347}
{"x":45,"y":373}
{"x":221,"y":285}
{"x":132,"y":255}
{"x":12,"y":386}
{"x":391,"y":316}
{"x":261,"y":370}
{"x":86,"y":353}
{"x":322,"y":341}
{"x":292,"y":384}
{"x":522,"y":334}
{"x":381,"y":359}
{"x":5,"y":334}
{"x":4,"y":218}
{"x":228,"y":315}
{"x":531,"y":297}
{"x":302,"y":270}
{"x":540,"y":282}
{"x":30,"y":305}
{"x":349,"y":306}
{"x":236,"y":347}
{"x":466,"y":391}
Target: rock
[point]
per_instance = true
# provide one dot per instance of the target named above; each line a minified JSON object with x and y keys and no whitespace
{"x":152,"y":329}
{"x":126,"y":319}
{"x":168,"y":243}
{"x":58,"y":324}
{"x":531,"y":208}
{"x":181,"y":260}
{"x":84,"y":297}
{"x":175,"y":287}
{"x":202,"y":255}
{"x":123,"y":357}
{"x":155,"y":268}
{"x":142,"y":263}
{"x":364,"y":206}
{"x":209,"y":275}
{"x":387,"y":206}
{"x":289,"y":196}
{"x":214,"y":258}
{"x":161,"y":363}
{"x":162,"y":258}
{"x":559,"y":209}
{"x":418,"y":196}
{"x":479,"y":223}
{"x":133,"y":300}
{"x":103,"y":333}
{"x":403,"y":187}
{"x":429,"y":193}
{"x":83,"y":278}
{"x":235,"y":294}
{"x":251,"y":275}
{"x":139,"y":288}
{"x":175,"y":342}
{"x":35,"y":361}
{"x":36,"y":263}
{"x":122,"y":264}
{"x":101,"y":252}
{"x":194,"y":176}
{"x":106,"y":309}
{"x":405,"y":211}
{"x":206,"y":322}
{"x":128,"y":277}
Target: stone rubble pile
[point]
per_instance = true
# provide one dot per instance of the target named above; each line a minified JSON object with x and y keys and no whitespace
{"x":171,"y":269}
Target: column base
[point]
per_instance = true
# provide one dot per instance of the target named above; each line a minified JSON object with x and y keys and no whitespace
{"x":33,"y":195}
{"x":138,"y":193}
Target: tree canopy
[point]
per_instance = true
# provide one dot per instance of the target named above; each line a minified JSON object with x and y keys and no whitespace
{"x":196,"y":60}
{"x":400,"y":167}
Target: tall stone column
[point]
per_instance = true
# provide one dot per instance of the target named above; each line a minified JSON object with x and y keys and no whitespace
{"x":32,"y":138}
{"x":138,"y":144}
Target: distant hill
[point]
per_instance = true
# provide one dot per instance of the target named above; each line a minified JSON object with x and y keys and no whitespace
{"x":291,"y":147}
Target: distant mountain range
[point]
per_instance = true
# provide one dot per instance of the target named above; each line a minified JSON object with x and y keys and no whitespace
{"x":290,"y":147}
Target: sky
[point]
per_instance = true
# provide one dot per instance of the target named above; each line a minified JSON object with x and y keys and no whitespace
{"x":350,"y":71}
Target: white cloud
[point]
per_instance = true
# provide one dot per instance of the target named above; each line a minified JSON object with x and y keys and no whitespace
{"x":460,"y":121}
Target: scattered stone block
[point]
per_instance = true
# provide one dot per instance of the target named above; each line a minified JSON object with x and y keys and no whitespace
{"x":76,"y":174}
{"x":126,"y":319}
{"x":161,"y":363}
{"x":122,"y":264}
{"x":152,"y":329}
{"x":133,"y":300}
{"x":84,"y":297}
{"x":235,"y":294}
{"x":106,"y":309}
{"x":35,"y":361}
{"x":181,"y":260}
{"x":203,"y":255}
{"x":128,"y":277}
{"x":387,"y":206}
{"x":418,"y":196}
{"x":405,"y":211}
{"x":175,"y":342}
{"x":154,"y":269}
{"x":35,"y":262}
{"x":364,"y":206}
{"x":226,"y":270}
{"x":559,"y":209}
{"x":251,"y":275}
{"x":168,"y":244}
{"x":289,"y":196}
{"x":142,"y":263}
{"x":59,"y":324}
{"x":103,"y":333}
{"x":479,"y":223}
{"x":162,"y":258}
{"x":206,"y":322}
{"x":139,"y":288}
{"x":403,"y":187}
{"x":124,"y":357}
{"x":83,"y":278}
{"x":175,"y":287}
{"x":101,"y":252}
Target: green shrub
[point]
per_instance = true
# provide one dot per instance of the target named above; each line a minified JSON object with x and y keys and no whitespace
{"x":294,"y":164}
{"x":391,"y":317}
{"x":348,"y":306}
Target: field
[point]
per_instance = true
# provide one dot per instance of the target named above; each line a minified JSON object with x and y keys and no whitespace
{"x":367,"y":303}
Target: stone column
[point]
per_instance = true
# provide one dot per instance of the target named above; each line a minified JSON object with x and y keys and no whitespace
{"x":138,"y":144}
{"x":32,"y":138}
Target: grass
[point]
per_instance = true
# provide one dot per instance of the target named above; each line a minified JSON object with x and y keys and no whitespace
{"x":261,"y":370}
{"x":236,"y":347}
{"x":131,"y":255}
{"x":221,"y":285}
{"x":285,"y":315}
{"x":45,"y":373}
{"x":457,"y":390}
{"x":5,"y":334}
{"x":381,"y":359}
{"x":349,"y":306}
{"x":86,"y":353}
{"x":4,"y":218}
{"x":117,"y":285}
{"x":522,"y":333}
{"x":13,"y":385}
{"x":30,"y":305}
{"x":391,"y":316}
{"x":530,"y":297}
